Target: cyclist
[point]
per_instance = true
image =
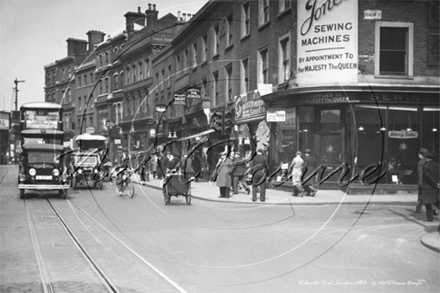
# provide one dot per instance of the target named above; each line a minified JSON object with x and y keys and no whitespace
{"x":118,"y":171}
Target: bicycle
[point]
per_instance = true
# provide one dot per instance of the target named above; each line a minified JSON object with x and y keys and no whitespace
{"x":123,"y":182}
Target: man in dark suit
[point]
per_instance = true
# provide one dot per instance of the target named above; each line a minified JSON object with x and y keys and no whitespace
{"x":310,"y":187}
{"x":430,"y":185}
{"x":258,"y":170}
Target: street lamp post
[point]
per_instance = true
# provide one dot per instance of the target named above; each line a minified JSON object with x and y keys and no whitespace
{"x":16,"y":92}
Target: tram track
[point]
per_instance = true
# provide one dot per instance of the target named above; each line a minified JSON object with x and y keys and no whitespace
{"x":114,"y":264}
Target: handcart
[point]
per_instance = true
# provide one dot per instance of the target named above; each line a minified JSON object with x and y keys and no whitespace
{"x":177,"y":185}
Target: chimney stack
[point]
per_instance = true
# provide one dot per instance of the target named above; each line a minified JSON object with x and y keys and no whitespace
{"x":76,"y":47}
{"x":95,"y":37}
{"x":132,"y":18}
{"x":151,"y":14}
{"x":184,"y":17}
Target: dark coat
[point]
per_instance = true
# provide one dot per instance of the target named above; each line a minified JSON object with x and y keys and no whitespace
{"x":258,"y":165}
{"x":431,"y":178}
{"x":224,"y":173}
{"x":310,"y":163}
{"x":239,"y":167}
{"x":197,"y":164}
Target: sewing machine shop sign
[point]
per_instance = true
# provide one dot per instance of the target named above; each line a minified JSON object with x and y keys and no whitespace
{"x":249,"y":105}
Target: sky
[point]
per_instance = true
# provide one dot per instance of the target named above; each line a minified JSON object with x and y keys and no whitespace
{"x":33,"y":34}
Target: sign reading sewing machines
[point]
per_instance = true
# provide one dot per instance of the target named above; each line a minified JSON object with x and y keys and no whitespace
{"x":327,"y":42}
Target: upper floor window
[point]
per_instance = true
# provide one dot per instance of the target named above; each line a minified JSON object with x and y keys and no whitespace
{"x":134,"y":73}
{"x":216,"y":40}
{"x":263,"y":12}
{"x":106,"y":85}
{"x":85,"y":79}
{"x":106,"y":58}
{"x":186,"y":60}
{"x":215,"y":93}
{"x":100,"y":60}
{"x":162,"y":78}
{"x":244,"y":76}
{"x":79,"y":103}
{"x":394,"y":46}
{"x":141,"y":70}
{"x":116,"y":81}
{"x":228,"y":81}
{"x":127,"y":75}
{"x":204,"y":48}
{"x":284,"y":5}
{"x":284,"y":60}
{"x":194,"y":55}
{"x":79,"y":81}
{"x":169,"y":76}
{"x":245,"y":19}
{"x":178,"y":68}
{"x":229,"y":30}
{"x":147,"y":68}
{"x":91,"y":78}
{"x":263,"y":66}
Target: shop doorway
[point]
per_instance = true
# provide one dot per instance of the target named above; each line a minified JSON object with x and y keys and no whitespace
{"x":321,"y":129}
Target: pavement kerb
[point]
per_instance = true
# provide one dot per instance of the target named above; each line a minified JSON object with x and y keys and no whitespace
{"x":432,"y":241}
{"x":286,"y":202}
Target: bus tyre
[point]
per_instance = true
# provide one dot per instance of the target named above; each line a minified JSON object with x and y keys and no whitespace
{"x":63,"y":193}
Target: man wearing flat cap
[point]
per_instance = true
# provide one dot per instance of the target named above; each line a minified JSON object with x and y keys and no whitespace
{"x":310,"y":187}
{"x":430,"y":185}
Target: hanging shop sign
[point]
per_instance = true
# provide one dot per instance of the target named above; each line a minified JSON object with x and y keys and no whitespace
{"x":4,"y":121}
{"x":193,"y":93}
{"x":275,"y":115}
{"x":179,"y":99}
{"x":249,"y":105}
{"x":403,"y":134}
{"x":327,"y":43}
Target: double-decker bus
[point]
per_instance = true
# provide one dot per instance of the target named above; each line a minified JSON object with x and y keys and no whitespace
{"x":42,"y":163}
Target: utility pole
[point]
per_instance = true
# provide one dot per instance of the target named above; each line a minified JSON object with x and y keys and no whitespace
{"x":16,"y":92}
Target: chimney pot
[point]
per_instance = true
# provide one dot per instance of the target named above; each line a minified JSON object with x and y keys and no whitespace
{"x":149,"y":6}
{"x":139,"y":9}
{"x":154,"y":7}
{"x":178,"y":15}
{"x":184,"y":16}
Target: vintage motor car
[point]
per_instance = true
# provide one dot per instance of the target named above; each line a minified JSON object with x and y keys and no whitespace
{"x":86,"y":169}
{"x":42,"y":168}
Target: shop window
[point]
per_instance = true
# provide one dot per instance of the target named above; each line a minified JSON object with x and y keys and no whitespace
{"x":430,"y":129}
{"x":394,"y":49}
{"x":330,"y":121}
{"x":369,"y":123}
{"x":306,"y":127}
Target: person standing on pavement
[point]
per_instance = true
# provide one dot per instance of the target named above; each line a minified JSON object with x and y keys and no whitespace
{"x":224,"y":172}
{"x":422,"y":161}
{"x":311,"y":186}
{"x":296,"y":167}
{"x":238,"y":174}
{"x":154,"y":166}
{"x":258,"y":170}
{"x":197,"y":166}
{"x":186,"y":166}
{"x":430,"y":186}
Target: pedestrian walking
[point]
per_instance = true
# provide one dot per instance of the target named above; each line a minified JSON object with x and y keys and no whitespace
{"x":296,"y":167}
{"x":197,"y":166}
{"x":258,"y":170}
{"x":186,"y":166}
{"x":224,"y":171}
{"x":311,"y":186}
{"x":238,"y":174}
{"x":154,"y":165}
{"x":430,"y":185}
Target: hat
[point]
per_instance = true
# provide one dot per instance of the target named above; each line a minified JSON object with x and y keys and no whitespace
{"x":423,"y":151}
{"x":298,"y":153}
{"x":308,"y":151}
{"x":429,"y":155}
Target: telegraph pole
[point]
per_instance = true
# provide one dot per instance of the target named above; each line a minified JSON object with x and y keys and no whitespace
{"x":16,"y":92}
